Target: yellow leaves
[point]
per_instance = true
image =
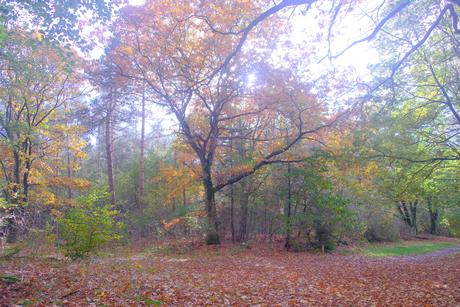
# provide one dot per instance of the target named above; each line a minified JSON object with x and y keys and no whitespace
{"x":41,"y":85}
{"x":38,"y":35}
{"x":157,"y":179}
{"x":196,"y":214}
{"x":136,"y":264}
{"x":181,"y":220}
{"x":177,"y":36}
{"x":179,"y":179}
{"x":172,"y":223}
{"x":73,"y":183}
{"x":371,"y":167}
{"x":55,"y":212}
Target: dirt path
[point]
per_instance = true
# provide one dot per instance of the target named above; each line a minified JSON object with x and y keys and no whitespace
{"x":433,"y":255}
{"x":447,"y":251}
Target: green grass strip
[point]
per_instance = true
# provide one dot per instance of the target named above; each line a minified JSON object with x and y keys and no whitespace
{"x":401,"y":249}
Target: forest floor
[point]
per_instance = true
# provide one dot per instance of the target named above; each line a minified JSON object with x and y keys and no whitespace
{"x":233,"y":275}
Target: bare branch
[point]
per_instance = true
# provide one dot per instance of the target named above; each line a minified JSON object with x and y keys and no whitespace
{"x":245,"y":32}
{"x":267,"y":159}
{"x":377,"y":28}
{"x":448,"y":7}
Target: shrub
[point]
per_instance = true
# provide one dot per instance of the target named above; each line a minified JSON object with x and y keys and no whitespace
{"x":381,"y":229}
{"x":452,"y":222}
{"x":88,"y":226}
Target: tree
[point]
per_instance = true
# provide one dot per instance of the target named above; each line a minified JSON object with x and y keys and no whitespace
{"x":396,"y":164}
{"x":425,"y":90}
{"x":88,"y":226}
{"x":181,"y":51}
{"x":176,"y":49}
{"x":441,"y":194}
{"x":417,"y":103}
{"x":57,"y":18}
{"x":37,"y":86}
{"x":113,"y":106}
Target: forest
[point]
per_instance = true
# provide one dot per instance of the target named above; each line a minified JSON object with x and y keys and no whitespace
{"x":208,"y":122}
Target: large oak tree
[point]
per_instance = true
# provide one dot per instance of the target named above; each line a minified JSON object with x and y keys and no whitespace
{"x":197,"y":59}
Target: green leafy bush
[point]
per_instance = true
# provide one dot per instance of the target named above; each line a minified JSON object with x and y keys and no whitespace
{"x":452,"y":222}
{"x":88,"y":226}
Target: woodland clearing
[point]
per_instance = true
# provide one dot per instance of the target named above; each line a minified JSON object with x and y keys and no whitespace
{"x":234,"y":275}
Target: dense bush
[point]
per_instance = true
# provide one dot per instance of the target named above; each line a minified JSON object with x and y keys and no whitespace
{"x":88,"y":225}
{"x":381,"y":229}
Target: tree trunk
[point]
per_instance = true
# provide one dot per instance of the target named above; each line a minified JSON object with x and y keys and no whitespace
{"x":184,"y":198}
{"x":142,"y":154}
{"x":433,"y":217}
{"x":244,"y":216}
{"x":18,"y":195}
{"x":232,"y":198}
{"x":408,"y":213}
{"x":175,"y":167}
{"x":212,"y":237}
{"x":413,"y":209}
{"x":109,"y":127}
{"x":232,"y":213}
{"x":289,"y":208}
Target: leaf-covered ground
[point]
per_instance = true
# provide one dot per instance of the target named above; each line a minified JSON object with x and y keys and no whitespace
{"x":235,"y":277}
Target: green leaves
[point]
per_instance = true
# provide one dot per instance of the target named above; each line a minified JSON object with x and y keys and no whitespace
{"x":88,"y":226}
{"x":58,"y":18}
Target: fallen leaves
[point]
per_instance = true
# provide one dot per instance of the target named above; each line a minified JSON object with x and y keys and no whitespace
{"x":241,"y":279}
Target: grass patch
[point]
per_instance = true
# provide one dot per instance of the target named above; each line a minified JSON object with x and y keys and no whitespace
{"x":404,"y":248}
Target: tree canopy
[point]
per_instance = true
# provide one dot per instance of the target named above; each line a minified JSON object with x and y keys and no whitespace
{"x":57,"y":20}
{"x":266,"y":133}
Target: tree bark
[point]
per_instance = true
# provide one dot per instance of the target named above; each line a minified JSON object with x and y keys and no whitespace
{"x":142,"y":154}
{"x":18,"y":194}
{"x":433,"y":217}
{"x":232,"y":213}
{"x":289,"y":208}
{"x":175,"y":167}
{"x":408,"y":213}
{"x":212,"y":237}
{"x":109,"y":127}
{"x":244,"y":216}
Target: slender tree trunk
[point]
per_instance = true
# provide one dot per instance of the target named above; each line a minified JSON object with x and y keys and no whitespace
{"x":184,"y":197}
{"x":232,"y":198}
{"x":232,"y":213}
{"x":175,"y":166}
{"x":69,"y":175}
{"x":69,"y":160}
{"x":109,"y":128}
{"x":244,"y":216}
{"x":289,"y":205}
{"x":413,"y":208}
{"x":142,"y":155}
